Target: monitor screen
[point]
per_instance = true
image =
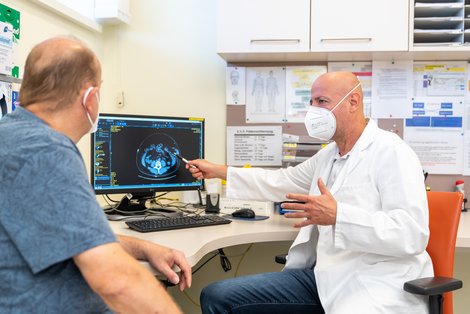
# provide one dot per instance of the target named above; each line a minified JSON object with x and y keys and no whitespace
{"x":140,"y":154}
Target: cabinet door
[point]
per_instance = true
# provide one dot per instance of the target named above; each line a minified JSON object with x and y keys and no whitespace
{"x":359,"y":25}
{"x":263,"y":26}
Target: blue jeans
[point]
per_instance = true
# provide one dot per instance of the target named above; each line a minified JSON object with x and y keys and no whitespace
{"x":289,"y":291}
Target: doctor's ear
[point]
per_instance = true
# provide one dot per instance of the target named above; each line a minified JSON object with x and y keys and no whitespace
{"x":354,"y":101}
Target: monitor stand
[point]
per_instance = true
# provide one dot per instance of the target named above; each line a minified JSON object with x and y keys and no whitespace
{"x":132,"y":206}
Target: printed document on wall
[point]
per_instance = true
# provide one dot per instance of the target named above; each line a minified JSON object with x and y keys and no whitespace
{"x":466,"y":121}
{"x":466,"y":140}
{"x":363,"y":71}
{"x":435,"y":131}
{"x":9,"y":41}
{"x":6,"y":103}
{"x":254,"y":145}
{"x":265,"y":94}
{"x":299,"y":80}
{"x":391,"y":89}
{"x":235,"y":85}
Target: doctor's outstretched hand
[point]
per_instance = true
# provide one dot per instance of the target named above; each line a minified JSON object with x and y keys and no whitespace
{"x":203,"y":169}
{"x":317,"y":209}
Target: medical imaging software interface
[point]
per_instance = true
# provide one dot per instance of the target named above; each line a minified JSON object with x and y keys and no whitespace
{"x":140,"y":153}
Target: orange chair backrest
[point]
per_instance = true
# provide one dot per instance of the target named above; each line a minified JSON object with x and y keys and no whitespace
{"x":444,"y":216}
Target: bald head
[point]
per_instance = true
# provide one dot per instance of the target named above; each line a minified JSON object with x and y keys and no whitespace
{"x":338,"y":83}
{"x":55,"y":72}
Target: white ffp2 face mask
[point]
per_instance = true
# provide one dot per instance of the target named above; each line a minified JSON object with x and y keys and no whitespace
{"x":320,"y":122}
{"x":94,"y":124}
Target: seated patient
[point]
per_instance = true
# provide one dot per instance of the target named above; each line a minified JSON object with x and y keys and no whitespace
{"x":365,"y":226}
{"x":59,"y":254}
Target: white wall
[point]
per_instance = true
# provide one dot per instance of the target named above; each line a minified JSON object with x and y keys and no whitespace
{"x":165,"y":63}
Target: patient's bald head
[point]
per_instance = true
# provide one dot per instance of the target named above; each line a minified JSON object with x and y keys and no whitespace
{"x":55,"y":72}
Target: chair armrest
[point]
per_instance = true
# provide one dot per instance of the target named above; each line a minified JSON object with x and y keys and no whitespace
{"x":281,"y":259}
{"x":432,"y":285}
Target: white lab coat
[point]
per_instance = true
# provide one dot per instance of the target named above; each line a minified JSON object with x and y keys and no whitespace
{"x":381,"y":230}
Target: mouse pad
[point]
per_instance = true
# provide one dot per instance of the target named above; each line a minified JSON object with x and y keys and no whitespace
{"x":257,"y":217}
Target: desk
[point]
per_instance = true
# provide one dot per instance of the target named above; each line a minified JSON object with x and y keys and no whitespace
{"x":197,"y":242}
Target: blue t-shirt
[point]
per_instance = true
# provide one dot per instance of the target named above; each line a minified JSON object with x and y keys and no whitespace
{"x":48,"y":214}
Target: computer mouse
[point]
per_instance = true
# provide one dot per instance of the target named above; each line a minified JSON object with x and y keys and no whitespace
{"x":244,"y":213}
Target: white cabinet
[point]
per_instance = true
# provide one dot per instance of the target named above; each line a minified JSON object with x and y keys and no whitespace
{"x":246,"y":26}
{"x":359,"y":25}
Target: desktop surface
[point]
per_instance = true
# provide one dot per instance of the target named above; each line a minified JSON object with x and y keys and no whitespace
{"x":197,"y":242}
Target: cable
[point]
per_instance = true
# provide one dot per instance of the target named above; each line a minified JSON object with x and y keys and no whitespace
{"x":110,"y":199}
{"x":224,"y":261}
{"x":195,"y":271}
{"x":241,"y":259}
{"x":208,"y":260}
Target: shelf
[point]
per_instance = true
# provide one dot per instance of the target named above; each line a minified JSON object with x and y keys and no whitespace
{"x":439,"y":23}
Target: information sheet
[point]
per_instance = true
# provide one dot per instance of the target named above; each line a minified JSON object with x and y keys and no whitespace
{"x":254,"y":145}
{"x":466,"y":123}
{"x":9,"y":41}
{"x":266,"y":94}
{"x":6,"y":103}
{"x":436,"y":130}
{"x":392,"y":86}
{"x":235,"y":86}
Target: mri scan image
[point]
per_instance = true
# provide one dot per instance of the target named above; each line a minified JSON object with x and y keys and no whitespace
{"x":156,"y":157}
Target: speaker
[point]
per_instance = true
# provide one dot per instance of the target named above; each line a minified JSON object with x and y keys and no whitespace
{"x":212,"y":203}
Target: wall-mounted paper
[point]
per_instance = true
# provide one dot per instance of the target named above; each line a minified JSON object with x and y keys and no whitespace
{"x":254,"y":145}
{"x":392,"y":84}
{"x":266,"y":94}
{"x":235,"y":86}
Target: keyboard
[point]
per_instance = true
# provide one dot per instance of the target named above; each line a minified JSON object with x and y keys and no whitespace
{"x":172,"y":223}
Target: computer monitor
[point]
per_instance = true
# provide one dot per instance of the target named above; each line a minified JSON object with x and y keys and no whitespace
{"x":139,"y":155}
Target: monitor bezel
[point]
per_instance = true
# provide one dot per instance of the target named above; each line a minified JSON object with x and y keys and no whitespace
{"x":144,"y":191}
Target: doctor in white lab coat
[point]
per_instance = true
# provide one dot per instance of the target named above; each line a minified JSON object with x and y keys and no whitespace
{"x":366,"y":217}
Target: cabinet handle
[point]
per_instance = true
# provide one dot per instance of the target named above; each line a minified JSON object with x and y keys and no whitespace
{"x":285,"y":40}
{"x":346,"y":39}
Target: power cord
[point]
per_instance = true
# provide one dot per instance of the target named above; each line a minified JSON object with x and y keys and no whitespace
{"x":225,"y":265}
{"x":224,"y":261}
{"x":207,"y":261}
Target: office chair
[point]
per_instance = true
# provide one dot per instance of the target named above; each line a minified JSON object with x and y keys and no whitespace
{"x":444,"y":215}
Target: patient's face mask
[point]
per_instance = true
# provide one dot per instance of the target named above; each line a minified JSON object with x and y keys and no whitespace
{"x":94,"y":124}
{"x":321,"y":122}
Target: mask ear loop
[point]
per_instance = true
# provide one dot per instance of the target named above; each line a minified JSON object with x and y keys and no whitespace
{"x":342,"y":99}
{"x":85,"y":96}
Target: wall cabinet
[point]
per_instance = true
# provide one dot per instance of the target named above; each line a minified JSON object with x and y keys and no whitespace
{"x":359,"y":25}
{"x":338,"y":30}
{"x":245,"y":26}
